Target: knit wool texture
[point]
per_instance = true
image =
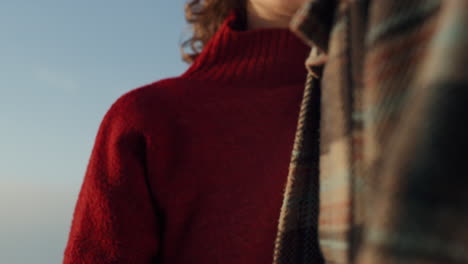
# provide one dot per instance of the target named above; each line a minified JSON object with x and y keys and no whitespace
{"x":192,"y":169}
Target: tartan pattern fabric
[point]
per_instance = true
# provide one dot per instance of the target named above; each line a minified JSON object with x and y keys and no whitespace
{"x":297,"y":228}
{"x":391,"y":182}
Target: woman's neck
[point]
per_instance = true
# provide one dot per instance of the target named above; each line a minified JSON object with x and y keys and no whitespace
{"x":259,"y":16}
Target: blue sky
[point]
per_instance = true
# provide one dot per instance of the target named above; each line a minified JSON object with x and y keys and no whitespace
{"x":62,"y":64}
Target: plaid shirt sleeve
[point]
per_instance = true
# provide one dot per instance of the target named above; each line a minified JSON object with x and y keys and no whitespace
{"x":421,"y":213}
{"x":393,"y":185}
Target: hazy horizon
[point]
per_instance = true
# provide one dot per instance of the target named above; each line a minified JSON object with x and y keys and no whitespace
{"x":63,"y":64}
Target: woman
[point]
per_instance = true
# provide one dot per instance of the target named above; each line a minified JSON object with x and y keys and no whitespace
{"x":192,"y":169}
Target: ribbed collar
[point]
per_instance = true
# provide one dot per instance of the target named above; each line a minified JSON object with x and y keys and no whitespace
{"x":272,"y":55}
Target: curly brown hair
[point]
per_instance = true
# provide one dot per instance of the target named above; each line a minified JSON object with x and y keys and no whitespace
{"x":204,"y":18}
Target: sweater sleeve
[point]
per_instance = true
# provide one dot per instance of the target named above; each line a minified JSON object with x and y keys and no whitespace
{"x":115,"y":220}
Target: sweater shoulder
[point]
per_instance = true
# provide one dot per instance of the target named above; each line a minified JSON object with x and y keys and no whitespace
{"x":155,"y":93}
{"x":147,"y":104}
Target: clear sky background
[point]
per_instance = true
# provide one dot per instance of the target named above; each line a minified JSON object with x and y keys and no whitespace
{"x":62,"y":64}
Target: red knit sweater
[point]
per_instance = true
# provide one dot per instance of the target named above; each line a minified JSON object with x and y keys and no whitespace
{"x":192,"y":169}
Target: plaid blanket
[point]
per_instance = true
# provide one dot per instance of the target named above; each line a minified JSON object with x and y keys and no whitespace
{"x":377,"y":171}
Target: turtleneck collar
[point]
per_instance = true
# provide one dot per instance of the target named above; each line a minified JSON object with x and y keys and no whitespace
{"x":273,"y":55}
